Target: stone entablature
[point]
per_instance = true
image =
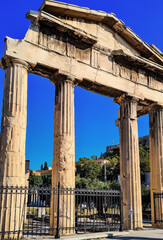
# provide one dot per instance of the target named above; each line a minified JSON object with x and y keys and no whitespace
{"x":91,"y":49}
{"x":98,"y":56}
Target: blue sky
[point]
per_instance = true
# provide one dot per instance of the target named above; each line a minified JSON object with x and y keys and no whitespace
{"x":95,"y":115}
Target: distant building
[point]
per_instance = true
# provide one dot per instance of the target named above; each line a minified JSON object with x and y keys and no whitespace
{"x":102,"y":161}
{"x":144,"y":141}
{"x":111,"y":147}
{"x":42,"y":173}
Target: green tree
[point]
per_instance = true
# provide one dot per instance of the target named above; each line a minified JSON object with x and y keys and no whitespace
{"x":88,"y":169}
{"x":35,"y":181}
{"x":47,"y":180}
{"x":101,"y":156}
{"x":42,"y":168}
{"x":113,"y":153}
{"x":45,"y":166}
{"x":146,"y":204}
{"x":144,"y":161}
{"x":91,"y":183}
{"x":115,"y":185}
{"x":94,"y":157}
{"x":112,"y":169}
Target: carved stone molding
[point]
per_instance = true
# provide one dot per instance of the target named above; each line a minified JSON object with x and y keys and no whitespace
{"x":126,"y":98}
{"x":155,"y":107}
{"x":62,"y":76}
{"x":7,"y":62}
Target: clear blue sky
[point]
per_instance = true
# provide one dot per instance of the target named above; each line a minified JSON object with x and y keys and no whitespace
{"x":95,"y":115}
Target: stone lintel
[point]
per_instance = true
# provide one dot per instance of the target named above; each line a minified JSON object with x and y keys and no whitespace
{"x":143,"y":110}
{"x":106,"y":83}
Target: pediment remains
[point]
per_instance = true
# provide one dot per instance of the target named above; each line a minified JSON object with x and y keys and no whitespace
{"x":96,"y":48}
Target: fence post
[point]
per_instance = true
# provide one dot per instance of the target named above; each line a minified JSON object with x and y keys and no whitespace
{"x":154,"y":198}
{"x":121,"y":212}
{"x":57,"y":230}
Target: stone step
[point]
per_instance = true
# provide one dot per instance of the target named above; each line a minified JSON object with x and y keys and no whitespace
{"x":88,"y":236}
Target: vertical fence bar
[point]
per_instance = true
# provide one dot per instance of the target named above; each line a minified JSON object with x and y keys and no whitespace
{"x":57,"y":230}
{"x":98,"y":209}
{"x":121,"y":212}
{"x":76,"y":210}
{"x":154,"y":199}
{"x":70,"y":202}
{"x":161,"y":207}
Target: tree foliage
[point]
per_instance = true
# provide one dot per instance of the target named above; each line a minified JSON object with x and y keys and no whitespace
{"x":94,"y":157}
{"x":146,"y":204}
{"x":35,"y":181}
{"x":95,"y":184}
{"x":87,"y":168}
{"x":45,"y":166}
{"x":144,"y":161}
{"x":90,"y":175}
{"x":112,"y":169}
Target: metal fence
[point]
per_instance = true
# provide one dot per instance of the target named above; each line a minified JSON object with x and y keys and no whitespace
{"x":158,"y":207}
{"x":95,"y":210}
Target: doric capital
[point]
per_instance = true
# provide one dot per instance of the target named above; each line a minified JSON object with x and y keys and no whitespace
{"x":61,"y":77}
{"x":128,"y":107}
{"x":7,"y":62}
{"x":126,"y":98}
{"x":20,"y":62}
{"x":155,"y":107}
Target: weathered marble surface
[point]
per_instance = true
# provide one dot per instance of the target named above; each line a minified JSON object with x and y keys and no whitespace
{"x":156,"y":158}
{"x":63,"y":169}
{"x":12,"y":146}
{"x":130,"y":163}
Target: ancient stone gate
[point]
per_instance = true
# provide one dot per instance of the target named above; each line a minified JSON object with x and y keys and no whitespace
{"x":72,"y":46}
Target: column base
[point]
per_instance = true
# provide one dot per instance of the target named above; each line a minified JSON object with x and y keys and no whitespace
{"x":157,"y":225}
{"x":62,"y":233}
{"x":11,"y":236}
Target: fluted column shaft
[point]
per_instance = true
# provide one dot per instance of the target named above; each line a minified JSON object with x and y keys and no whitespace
{"x":156,"y":158}
{"x":13,"y":125}
{"x":63,"y":168}
{"x":130,"y":165}
{"x":12,"y":147}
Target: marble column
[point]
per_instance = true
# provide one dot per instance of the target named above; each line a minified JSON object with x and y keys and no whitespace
{"x":12,"y":145}
{"x":156,"y":159}
{"x":63,"y":168}
{"x":130,"y":164}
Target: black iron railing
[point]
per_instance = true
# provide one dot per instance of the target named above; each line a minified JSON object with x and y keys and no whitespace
{"x":95,"y":210}
{"x":98,"y":210}
{"x":158,"y":207}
